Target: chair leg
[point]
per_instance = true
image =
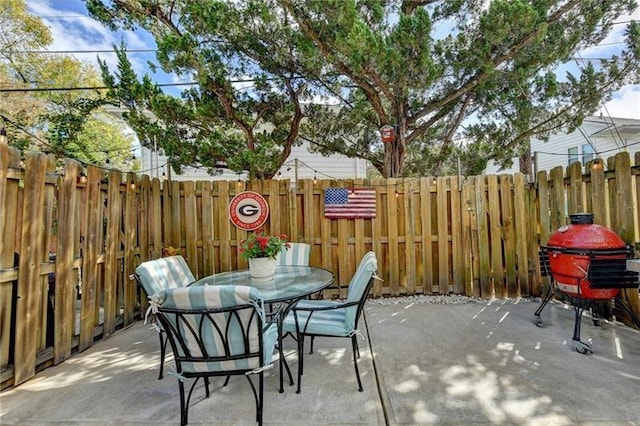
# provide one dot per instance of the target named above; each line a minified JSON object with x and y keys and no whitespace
{"x":354,"y":347}
{"x":163,"y":349}
{"x":300,"y":360}
{"x":206,"y":387}
{"x":311,"y":349}
{"x":260,"y":397}
{"x":257,"y":395}
{"x":183,"y":409}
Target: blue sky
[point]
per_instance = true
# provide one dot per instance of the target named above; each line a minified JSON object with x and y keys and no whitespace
{"x":74,"y":30}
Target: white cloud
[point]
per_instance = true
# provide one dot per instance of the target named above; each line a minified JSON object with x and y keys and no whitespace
{"x":625,"y":103}
{"x":74,"y":30}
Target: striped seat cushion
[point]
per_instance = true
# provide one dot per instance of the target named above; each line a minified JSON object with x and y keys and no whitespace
{"x":231,"y":335}
{"x":295,"y":254}
{"x":164,"y":273}
{"x":330,"y":322}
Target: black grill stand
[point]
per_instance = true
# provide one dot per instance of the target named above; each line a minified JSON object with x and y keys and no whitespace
{"x":603,"y":273}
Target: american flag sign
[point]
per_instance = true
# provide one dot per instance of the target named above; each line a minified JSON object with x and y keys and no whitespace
{"x":343,"y":203}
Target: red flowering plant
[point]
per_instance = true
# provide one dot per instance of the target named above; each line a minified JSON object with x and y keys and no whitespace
{"x":259,"y":244}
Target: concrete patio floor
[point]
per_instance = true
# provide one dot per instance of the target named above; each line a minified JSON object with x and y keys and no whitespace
{"x":483,"y":362}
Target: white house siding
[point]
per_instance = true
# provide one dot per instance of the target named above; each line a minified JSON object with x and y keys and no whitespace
{"x":308,"y":166}
{"x":605,"y":137}
{"x":335,"y":166}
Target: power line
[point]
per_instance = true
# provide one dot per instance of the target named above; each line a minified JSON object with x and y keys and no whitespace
{"x":68,"y":52}
{"x":66,"y":89}
{"x":186,"y":83}
{"x":599,"y":152}
{"x":90,"y":17}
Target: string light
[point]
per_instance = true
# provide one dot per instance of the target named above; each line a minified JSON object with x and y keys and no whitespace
{"x":597,"y":165}
{"x":3,"y":135}
{"x":315,"y":177}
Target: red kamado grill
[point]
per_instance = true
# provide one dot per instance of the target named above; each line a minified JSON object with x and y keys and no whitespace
{"x":587,"y":263}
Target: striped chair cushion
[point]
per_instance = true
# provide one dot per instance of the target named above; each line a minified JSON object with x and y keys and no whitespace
{"x":339,"y":321}
{"x":212,"y":338}
{"x":164,"y":273}
{"x":367,"y":267}
{"x":296,"y":254}
{"x":331,"y":322}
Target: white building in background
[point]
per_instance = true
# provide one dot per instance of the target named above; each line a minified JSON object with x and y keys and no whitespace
{"x":597,"y":136}
{"x":301,"y":164}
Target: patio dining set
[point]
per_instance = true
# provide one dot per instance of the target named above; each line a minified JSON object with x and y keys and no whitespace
{"x":229,"y":324}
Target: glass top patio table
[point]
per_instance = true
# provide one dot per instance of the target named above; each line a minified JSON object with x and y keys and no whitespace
{"x":289,"y":283}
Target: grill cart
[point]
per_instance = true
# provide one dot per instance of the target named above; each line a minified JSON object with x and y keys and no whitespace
{"x":587,"y":263}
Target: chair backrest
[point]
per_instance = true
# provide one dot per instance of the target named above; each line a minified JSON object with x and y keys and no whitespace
{"x":164,"y":273}
{"x":360,"y":286}
{"x":214,"y":328}
{"x":296,"y":254}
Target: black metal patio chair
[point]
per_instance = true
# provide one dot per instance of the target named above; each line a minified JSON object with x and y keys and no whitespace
{"x":217,"y":331}
{"x":320,"y":318}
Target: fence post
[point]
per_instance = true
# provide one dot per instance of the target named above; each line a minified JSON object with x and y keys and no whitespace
{"x":29,"y":280}
{"x":65,"y":290}
{"x":558,"y":204}
{"x":624,"y":211}
{"x":9,"y":202}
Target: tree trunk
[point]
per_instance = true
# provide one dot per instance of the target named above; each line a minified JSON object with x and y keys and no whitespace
{"x":526,"y":165}
{"x":394,"y":154}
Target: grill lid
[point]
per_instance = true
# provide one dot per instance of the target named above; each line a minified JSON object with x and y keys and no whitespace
{"x":584,"y":234}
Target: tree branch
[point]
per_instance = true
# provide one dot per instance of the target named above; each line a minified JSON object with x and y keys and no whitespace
{"x":369,"y":91}
{"x":481,"y":77}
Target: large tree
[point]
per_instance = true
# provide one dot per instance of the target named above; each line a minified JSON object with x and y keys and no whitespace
{"x":439,"y":72}
{"x":64,"y":123}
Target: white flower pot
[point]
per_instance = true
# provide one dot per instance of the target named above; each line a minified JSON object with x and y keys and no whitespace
{"x":262,"y":268}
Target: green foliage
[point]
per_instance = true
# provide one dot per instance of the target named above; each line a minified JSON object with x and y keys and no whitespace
{"x":455,"y":78}
{"x":62,"y":123}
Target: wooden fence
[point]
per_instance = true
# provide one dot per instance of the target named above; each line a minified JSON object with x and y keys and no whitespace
{"x":69,"y":241}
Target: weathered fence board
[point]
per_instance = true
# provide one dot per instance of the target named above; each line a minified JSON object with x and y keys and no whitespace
{"x":522,"y":254}
{"x":598,"y":198}
{"x":66,"y":276}
{"x":457,"y":257}
{"x":574,"y":198}
{"x":9,"y":192}
{"x":391,"y":226}
{"x":426,"y":240}
{"x":495,"y":237}
{"x":509,"y":233}
{"x":110,"y":288}
{"x":409,"y":245}
{"x":557,"y":205}
{"x":93,"y":248}
{"x":30,"y":288}
{"x":483,"y":253}
{"x":130,"y":245}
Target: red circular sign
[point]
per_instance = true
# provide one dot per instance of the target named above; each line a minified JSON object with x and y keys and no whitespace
{"x":248,"y":210}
